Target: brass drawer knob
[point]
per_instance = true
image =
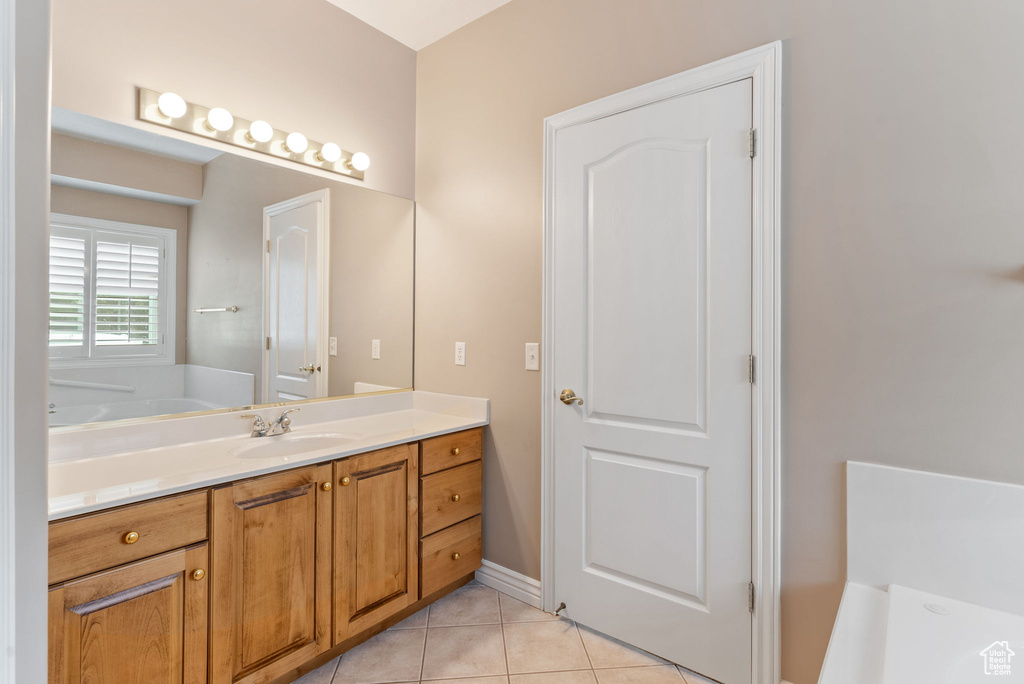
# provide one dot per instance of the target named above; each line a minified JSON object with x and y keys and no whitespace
{"x":455,"y":451}
{"x":326,"y":486}
{"x":456,"y":556}
{"x":456,"y":498}
{"x":131,"y":537}
{"x":346,"y":481}
{"x":198,"y":574}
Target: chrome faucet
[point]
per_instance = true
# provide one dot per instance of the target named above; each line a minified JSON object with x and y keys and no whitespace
{"x":283,"y":423}
{"x":260,"y":428}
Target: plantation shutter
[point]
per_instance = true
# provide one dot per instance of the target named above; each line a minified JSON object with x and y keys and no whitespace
{"x":68,"y":294}
{"x":111,"y":288}
{"x":127,"y":291}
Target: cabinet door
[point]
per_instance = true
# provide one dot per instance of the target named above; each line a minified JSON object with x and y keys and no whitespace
{"x":143,"y":623}
{"x":271,"y":588}
{"x":375,"y":523}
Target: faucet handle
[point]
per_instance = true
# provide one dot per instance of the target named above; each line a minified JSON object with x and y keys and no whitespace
{"x":284,"y":420}
{"x":259,"y":426}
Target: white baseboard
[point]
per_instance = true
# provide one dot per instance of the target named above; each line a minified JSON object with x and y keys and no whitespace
{"x":509,"y":582}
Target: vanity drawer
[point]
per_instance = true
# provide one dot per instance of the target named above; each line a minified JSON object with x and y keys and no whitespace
{"x":450,"y":554}
{"x":438,"y":453}
{"x":101,"y":541}
{"x":450,"y":496}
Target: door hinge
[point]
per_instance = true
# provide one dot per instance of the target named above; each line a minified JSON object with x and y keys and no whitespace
{"x":751,"y":368}
{"x":753,"y":143}
{"x":750,"y":596}
{"x":268,"y":343}
{"x":268,"y":241}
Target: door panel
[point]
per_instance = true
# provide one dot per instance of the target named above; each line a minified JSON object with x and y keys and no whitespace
{"x":144,"y":623}
{"x":272,"y":582}
{"x":376,"y":520}
{"x":646,"y":233}
{"x":652,"y":249}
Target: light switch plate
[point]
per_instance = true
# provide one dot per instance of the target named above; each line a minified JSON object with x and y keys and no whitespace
{"x":333,"y":344}
{"x":533,"y":356}
{"x":460,"y":353}
{"x":374,"y":349}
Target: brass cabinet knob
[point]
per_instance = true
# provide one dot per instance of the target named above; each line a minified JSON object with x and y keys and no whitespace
{"x":346,"y":481}
{"x":198,"y":574}
{"x":456,"y":498}
{"x":131,"y":537}
{"x":326,"y":486}
{"x":456,"y":556}
{"x":455,"y":451}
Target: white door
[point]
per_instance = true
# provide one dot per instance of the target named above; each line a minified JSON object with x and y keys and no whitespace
{"x":296,"y":233}
{"x":652,"y":330}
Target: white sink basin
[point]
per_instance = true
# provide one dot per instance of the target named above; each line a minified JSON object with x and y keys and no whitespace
{"x":291,"y":445}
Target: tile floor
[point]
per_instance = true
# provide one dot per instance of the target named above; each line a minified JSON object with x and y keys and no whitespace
{"x":478,"y":636}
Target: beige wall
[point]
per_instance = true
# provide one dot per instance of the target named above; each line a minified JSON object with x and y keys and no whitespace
{"x":301,"y":65}
{"x":371,"y":279}
{"x":88,"y":160}
{"x":903,"y":240}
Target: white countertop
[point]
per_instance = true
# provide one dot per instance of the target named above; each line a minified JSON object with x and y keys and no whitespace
{"x":83,"y":479}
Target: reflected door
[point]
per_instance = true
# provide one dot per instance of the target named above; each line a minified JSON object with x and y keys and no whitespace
{"x":295,"y":359}
{"x":652,"y":289}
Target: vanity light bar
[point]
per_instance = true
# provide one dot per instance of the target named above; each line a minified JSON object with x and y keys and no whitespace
{"x":172,"y":111}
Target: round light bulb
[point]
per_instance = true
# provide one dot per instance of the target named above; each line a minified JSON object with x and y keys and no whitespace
{"x":329,"y":153}
{"x":296,"y":142}
{"x":220,"y":119}
{"x":171,"y":105}
{"x":260,"y":131}
{"x":360,"y":161}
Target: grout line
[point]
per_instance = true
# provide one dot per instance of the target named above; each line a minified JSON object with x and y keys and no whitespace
{"x":585,"y":649}
{"x":504,"y":646}
{"x":426,"y":634}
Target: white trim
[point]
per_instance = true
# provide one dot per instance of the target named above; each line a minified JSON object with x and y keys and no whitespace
{"x":120,"y":190}
{"x":509,"y":582}
{"x":763,"y":65}
{"x":323,"y":278}
{"x":8,"y":631}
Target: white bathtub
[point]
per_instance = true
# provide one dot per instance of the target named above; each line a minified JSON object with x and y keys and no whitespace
{"x":118,"y":410}
{"x":906,"y":636}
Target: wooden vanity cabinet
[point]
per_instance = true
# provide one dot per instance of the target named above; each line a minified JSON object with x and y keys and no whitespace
{"x":451,"y":501}
{"x":376,"y":565}
{"x":271,"y":575}
{"x":260,"y":580}
{"x":142,"y":623}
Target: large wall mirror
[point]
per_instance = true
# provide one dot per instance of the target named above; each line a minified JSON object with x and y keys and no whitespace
{"x":185,"y":279}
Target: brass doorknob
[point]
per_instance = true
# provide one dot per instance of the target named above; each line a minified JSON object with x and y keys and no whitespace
{"x":131,"y":537}
{"x":455,"y":451}
{"x":345,"y":481}
{"x":198,"y":574}
{"x":308,"y":369}
{"x":326,"y":486}
{"x":456,"y":556}
{"x":569,"y":397}
{"x":456,"y":498}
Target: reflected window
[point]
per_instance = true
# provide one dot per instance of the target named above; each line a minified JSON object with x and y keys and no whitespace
{"x":111,"y":293}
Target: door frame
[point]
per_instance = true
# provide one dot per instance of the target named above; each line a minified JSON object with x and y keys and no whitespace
{"x":763,"y":65}
{"x":24,"y":238}
{"x":323,"y":279}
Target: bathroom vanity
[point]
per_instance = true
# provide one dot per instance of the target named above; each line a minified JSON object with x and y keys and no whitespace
{"x":260,"y":579}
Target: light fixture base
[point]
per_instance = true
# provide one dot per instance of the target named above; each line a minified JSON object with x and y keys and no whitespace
{"x":194,"y":122}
